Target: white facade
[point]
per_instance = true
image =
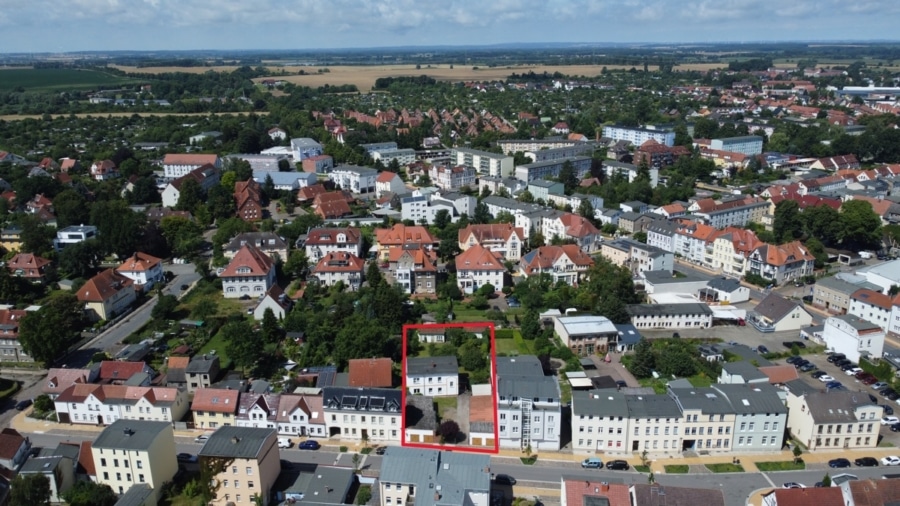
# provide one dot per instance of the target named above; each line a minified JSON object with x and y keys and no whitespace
{"x":638,"y":136}
{"x":403,"y":156}
{"x":389,"y":182}
{"x":630,"y":171}
{"x":670,"y":316}
{"x":73,"y":235}
{"x":304,"y":147}
{"x":484,"y":162}
{"x":452,"y":178}
{"x":352,"y":412}
{"x":443,"y":381}
{"x":354,"y":179}
{"x":549,"y":169}
{"x":528,"y":405}
{"x":853,"y":337}
{"x":322,"y":241}
{"x":417,"y":209}
{"x":871,"y":306}
{"x":834,"y":421}
{"x":749,"y":145}
{"x":894,"y":324}
{"x":100,"y":408}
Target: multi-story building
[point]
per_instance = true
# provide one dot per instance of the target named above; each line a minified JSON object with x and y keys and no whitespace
{"x":484,"y":162}
{"x":29,"y":266}
{"x":670,"y":316}
{"x":73,"y":235}
{"x":690,"y":241}
{"x":11,"y":349}
{"x":839,"y":420}
{"x":269,"y":243}
{"x":251,"y":272}
{"x":614,"y":422}
{"x":511,"y":146}
{"x":201,"y":372}
{"x":214,"y":407}
{"x":476,"y":267}
{"x":549,"y":169}
{"x":833,"y":293}
{"x":871,"y":306}
{"x":734,"y":213}
{"x":432,"y":376}
{"x":630,"y":171}
{"x":252,"y":464}
{"x":304,"y":147}
{"x":322,"y":241}
{"x":586,"y":335}
{"x":541,"y":189}
{"x":415,"y":270}
{"x":529,"y":405}
{"x":452,"y":178}
{"x":206,"y":176}
{"x":300,"y":415}
{"x":372,"y":147}
{"x":94,"y":404}
{"x":578,"y":149}
{"x":248,"y":200}
{"x":501,"y":238}
{"x":567,"y":263}
{"x":106,"y":295}
{"x":342,"y":267}
{"x":354,"y":179}
{"x":419,"y":209}
{"x":176,"y":165}
{"x":403,"y":156}
{"x":782,"y":262}
{"x":145,"y":270}
{"x":362,"y":413}
{"x":257,"y":410}
{"x":894,"y":322}
{"x":104,"y":170}
{"x":657,"y":155}
{"x":729,"y":250}
{"x":401,"y":236}
{"x":570,"y":227}
{"x":419,"y":476}
{"x":388,"y":182}
{"x":131,"y":452}
{"x":748,"y":144}
{"x":776,"y":313}
{"x":854,"y":337}
{"x":638,"y":136}
{"x":637,"y":256}
{"x":319,"y":164}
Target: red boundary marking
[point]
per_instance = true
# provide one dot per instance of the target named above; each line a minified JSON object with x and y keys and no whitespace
{"x":435,"y":446}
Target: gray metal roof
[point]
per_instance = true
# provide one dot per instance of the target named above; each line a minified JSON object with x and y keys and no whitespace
{"x":130,"y":434}
{"x":432,"y":365}
{"x":41,"y":465}
{"x":838,"y":285}
{"x":523,"y":377}
{"x":668,"y":309}
{"x":202,"y":364}
{"x":440,"y":478}
{"x":749,"y":399}
{"x":666,"y":277}
{"x":775,"y":307}
{"x":835,"y":407}
{"x":652,"y":406}
{"x":380,"y":400}
{"x":743,"y":369}
{"x":724,"y":284}
{"x":136,"y":495}
{"x":236,"y":442}
{"x":607,"y":402}
{"x":748,"y":354}
{"x":856,"y":322}
{"x":324,"y":485}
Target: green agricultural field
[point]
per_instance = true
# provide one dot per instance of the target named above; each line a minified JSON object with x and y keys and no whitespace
{"x":58,"y":79}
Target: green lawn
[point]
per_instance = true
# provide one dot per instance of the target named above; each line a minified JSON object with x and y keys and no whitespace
{"x":725,"y":468}
{"x":787,"y":465}
{"x":515,"y":346}
{"x":642,"y":469}
{"x":217,"y":344}
{"x":58,"y":79}
{"x":676,"y":469}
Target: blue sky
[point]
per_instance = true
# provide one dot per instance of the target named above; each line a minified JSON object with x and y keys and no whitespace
{"x":77,"y":25}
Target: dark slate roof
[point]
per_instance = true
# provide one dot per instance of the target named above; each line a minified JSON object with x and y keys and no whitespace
{"x":652,"y":406}
{"x":130,"y":434}
{"x":677,"y":496}
{"x":608,"y":402}
{"x":665,"y":277}
{"x":523,"y":376}
{"x":691,"y":308}
{"x":835,"y":407}
{"x":432,"y":365}
{"x":628,"y":333}
{"x":775,"y":307}
{"x":383,"y":400}
{"x":202,"y":364}
{"x":743,"y":369}
{"x":236,"y":442}
{"x":724,"y":284}
{"x":136,"y":495}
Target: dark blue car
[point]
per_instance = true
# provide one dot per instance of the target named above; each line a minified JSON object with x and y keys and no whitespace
{"x":309,"y":444}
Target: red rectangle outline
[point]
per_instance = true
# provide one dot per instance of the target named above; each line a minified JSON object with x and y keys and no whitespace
{"x":434,"y":446}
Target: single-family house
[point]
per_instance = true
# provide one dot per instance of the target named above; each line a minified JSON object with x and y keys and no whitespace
{"x":342,"y":267}
{"x":143,"y":269}
{"x":776,"y":313}
{"x":566,"y":263}
{"x":478,"y":266}
{"x":214,"y":407}
{"x":107,"y":295}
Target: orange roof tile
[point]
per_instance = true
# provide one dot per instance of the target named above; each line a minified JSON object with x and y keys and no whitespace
{"x":103,"y":286}
{"x":780,"y":374}
{"x":371,"y":372}
{"x":139,"y":262}
{"x":251,"y":257}
{"x":478,"y":258}
{"x":481,"y":408}
{"x":215,"y":399}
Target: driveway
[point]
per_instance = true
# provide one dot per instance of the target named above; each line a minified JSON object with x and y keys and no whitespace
{"x":613,"y":369}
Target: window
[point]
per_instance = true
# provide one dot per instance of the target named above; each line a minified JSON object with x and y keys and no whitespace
{"x":141,"y":478}
{"x":249,"y":484}
{"x":249,"y":471}
{"x":139,"y":464}
{"x":225,"y":483}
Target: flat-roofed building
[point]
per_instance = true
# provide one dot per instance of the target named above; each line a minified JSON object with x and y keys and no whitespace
{"x":586,"y":335}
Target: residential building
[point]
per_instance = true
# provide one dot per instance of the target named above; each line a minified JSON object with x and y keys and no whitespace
{"x":586,"y":335}
{"x":570,"y":227}
{"x":73,"y":235}
{"x":871,"y":306}
{"x":656,"y":495}
{"x":59,"y":471}
{"x":550,"y":169}
{"x":629,"y":171}
{"x":614,"y":422}
{"x":503,"y":239}
{"x":214,"y":407}
{"x":748,"y":144}
{"x":660,"y":282}
{"x":269,"y":243}
{"x":11,"y":349}
{"x":854,"y":337}
{"x":419,"y":209}
{"x":726,"y":291}
{"x":781,"y":263}
{"x":372,"y":147}
{"x":478,"y":266}
{"x":415,"y":270}
{"x":636,"y":256}
{"x":403,"y":156}
{"x":257,"y":410}
{"x":510,"y":146}
{"x":300,"y":415}
{"x":277,"y":134}
{"x":318,"y":164}
{"x":484,"y":162}
{"x":402,"y":236}
{"x":106,"y":295}
{"x":11,"y":237}
{"x":657,"y":155}
{"x":249,"y":273}
{"x":566,"y":263}
{"x":833,"y":293}
{"x":884,"y":274}
{"x":634,"y":206}
{"x":354,"y":179}
{"x":638,"y":136}
{"x":432,"y":376}
{"x":59,"y":379}
{"x":253,"y":464}
{"x":340,"y":267}
{"x":733,"y":213}
{"x":206,"y":176}
{"x":351,"y":413}
{"x":414,"y":476}
{"x":728,"y":250}
{"x":94,"y":404}
{"x":14,"y":448}
{"x":248,"y":200}
{"x":304,"y":147}
{"x":690,"y":241}
{"x":894,"y":322}
{"x":529,"y":405}
{"x":577,"y":491}
{"x":201,"y":372}
{"x":276,"y":300}
{"x":176,"y":165}
{"x":452,"y":177}
{"x":371,"y":372}
{"x":670,"y":316}
{"x":104,"y":170}
{"x":322,"y":241}
{"x":820,"y":496}
{"x":560,"y":153}
{"x":839,"y":420}
{"x":775,"y":313}
{"x":388,"y":181}
{"x":145,"y":270}
{"x":541,"y":189}
{"x":130,"y":452}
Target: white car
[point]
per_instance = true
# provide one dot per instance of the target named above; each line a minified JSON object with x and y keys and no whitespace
{"x":889,"y":420}
{"x":826,"y":378}
{"x":890,"y":460}
{"x":853,"y":372}
{"x":202,"y":438}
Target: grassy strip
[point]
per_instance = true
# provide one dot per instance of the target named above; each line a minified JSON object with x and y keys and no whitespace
{"x":677,"y":469}
{"x":787,"y":465}
{"x":642,"y":469}
{"x":529,"y":461}
{"x":725,"y":468}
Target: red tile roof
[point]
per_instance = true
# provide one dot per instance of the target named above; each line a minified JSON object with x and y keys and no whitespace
{"x":61,"y":379}
{"x":578,"y":226}
{"x":26,"y":261}
{"x":489,"y":232}
{"x":189,"y":159}
{"x":545,"y":257}
{"x":386,"y":177}
{"x":810,"y":496}
{"x":215,"y":399}
{"x":874,"y":492}
{"x":780,"y":374}
{"x":577,"y":490}
{"x":139,"y":262}
{"x":478,"y":258}
{"x":86,"y":458}
{"x":119,"y":370}
{"x":10,"y":442}
{"x":251,"y":257}
{"x":400,"y":234}
{"x":103,"y":286}
{"x":872,"y":297}
{"x":371,"y":372}
{"x":339,"y":261}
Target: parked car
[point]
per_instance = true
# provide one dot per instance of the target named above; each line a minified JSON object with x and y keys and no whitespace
{"x":512,"y":302}
{"x":504,"y":479}
{"x":787,"y":344}
{"x":835,"y":357}
{"x":890,"y":460}
{"x":592,"y":463}
{"x":866,"y":462}
{"x":309,"y":444}
{"x":853,"y":371}
{"x":799,"y":344}
{"x":621,"y":384}
{"x":869,"y":381}
{"x":800,"y":363}
{"x":284,"y":442}
{"x":617,"y":465}
{"x":762,"y":349}
{"x":793,"y":358}
{"x":895,"y":427}
{"x":887,"y":409}
{"x":833,"y":384}
{"x":23,"y":404}
{"x":838,"y":463}
{"x":186,"y":457}
{"x":849,"y":367}
{"x":793,"y":484}
{"x":380,"y":450}
{"x":841,"y":363}
{"x":808,"y":367}
{"x":879,"y":385}
{"x":825,"y":378}
{"x":202,"y":438}
{"x":819,"y":374}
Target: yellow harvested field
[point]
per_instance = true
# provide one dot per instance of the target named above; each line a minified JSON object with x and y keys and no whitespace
{"x":699,"y":66}
{"x":16,"y":117}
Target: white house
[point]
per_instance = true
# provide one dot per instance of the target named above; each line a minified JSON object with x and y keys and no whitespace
{"x":276,"y":300}
{"x":145,"y":270}
{"x":277,"y":134}
{"x":833,"y":421}
{"x":476,"y":267}
{"x":73,"y":235}
{"x":340,"y":266}
{"x":501,"y":238}
{"x":872,"y":306}
{"x":94,"y":404}
{"x":388,"y":181}
{"x":354,"y":179}
{"x":351,"y":413}
{"x":304,"y":147}
{"x":176,"y":165}
{"x":206,"y":176}
{"x":452,"y":178}
{"x":776,"y":313}
{"x":249,"y":274}
{"x":529,"y":412}
{"x":322,"y":241}
{"x":670,"y":316}
{"x":300,"y":415}
{"x":854,"y":337}
{"x":432,"y":376}
{"x":404,"y":156}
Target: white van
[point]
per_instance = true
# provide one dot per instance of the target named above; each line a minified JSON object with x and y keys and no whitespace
{"x":284,"y":442}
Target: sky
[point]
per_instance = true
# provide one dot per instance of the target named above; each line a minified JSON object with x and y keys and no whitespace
{"x":101,"y":25}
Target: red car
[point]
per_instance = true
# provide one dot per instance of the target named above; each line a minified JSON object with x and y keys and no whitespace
{"x":869,"y":381}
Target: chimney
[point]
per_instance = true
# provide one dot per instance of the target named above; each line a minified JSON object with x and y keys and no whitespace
{"x":235,"y":440}
{"x":604,"y":486}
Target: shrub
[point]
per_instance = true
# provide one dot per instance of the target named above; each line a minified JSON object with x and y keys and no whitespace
{"x":364,"y":495}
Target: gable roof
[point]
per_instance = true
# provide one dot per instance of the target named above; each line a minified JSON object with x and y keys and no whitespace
{"x":251,"y":257}
{"x":779,"y":374}
{"x":677,"y":496}
{"x":237,"y":442}
{"x":578,"y":226}
{"x":197,"y":159}
{"x":371,"y":372}
{"x":872,"y":297}
{"x":478,"y":258}
{"x":61,"y":379}
{"x":329,"y":235}
{"x":784,"y":254}
{"x":139,"y":262}
{"x":340,"y":261}
{"x":120,"y":370}
{"x":103,"y":286}
{"x":216,"y":400}
{"x":26,"y":261}
{"x":386,"y":177}
{"x":10,"y":442}
{"x":491,"y":231}
{"x":775,"y":307}
{"x":545,"y":257}
{"x":874,"y":492}
{"x":809,"y":496}
{"x":400,"y":234}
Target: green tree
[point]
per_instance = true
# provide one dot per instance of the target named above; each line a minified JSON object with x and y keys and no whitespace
{"x":72,"y":209}
{"x":441,"y":219}
{"x":43,"y":403}
{"x":190,"y":195}
{"x":30,"y":489}
{"x":860,"y":226}
{"x":297,"y":264}
{"x":80,"y":260}
{"x":165,"y":307}
{"x":119,"y":229}
{"x":204,"y":308}
{"x":823,"y":223}
{"x":47,"y":333}
{"x":531,"y":324}
{"x":89,"y":493}
{"x":787,"y":224}
{"x":568,"y":177}
{"x":676,"y":362}
{"x":471,"y":356}
{"x":37,"y":238}
{"x":586,"y":209}
{"x":640,"y":237}
{"x":269,"y":329}
{"x":482,"y":214}
{"x":241,"y":345}
{"x":817,"y":250}
{"x":644,"y":361}
{"x":826,"y":480}
{"x":608,"y":290}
